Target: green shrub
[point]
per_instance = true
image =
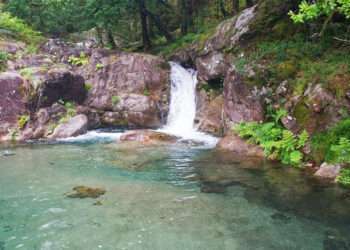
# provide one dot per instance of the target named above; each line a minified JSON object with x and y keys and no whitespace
{"x":19,"y":29}
{"x":115,"y":100}
{"x":322,"y":143}
{"x":99,"y":66}
{"x":22,"y":121}
{"x":3,"y":60}
{"x":79,"y":61}
{"x":341,"y":151}
{"x":278,"y":143}
{"x":88,"y":86}
{"x":344,"y":177}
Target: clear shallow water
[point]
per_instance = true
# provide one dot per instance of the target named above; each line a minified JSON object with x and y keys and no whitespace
{"x":173,"y":197}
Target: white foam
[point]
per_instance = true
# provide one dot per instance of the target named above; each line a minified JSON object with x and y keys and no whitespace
{"x":182,"y":110}
{"x":93,"y":136}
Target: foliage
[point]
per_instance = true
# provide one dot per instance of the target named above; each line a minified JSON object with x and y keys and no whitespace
{"x":19,"y":29}
{"x":312,"y":10}
{"x":79,"y":61}
{"x":22,"y":121}
{"x":115,"y":100}
{"x":341,"y":151}
{"x":99,"y":66}
{"x":344,"y":177}
{"x":277,"y":143}
{"x":88,"y":86}
{"x":322,"y":143}
{"x":70,"y":111}
{"x":3,"y":60}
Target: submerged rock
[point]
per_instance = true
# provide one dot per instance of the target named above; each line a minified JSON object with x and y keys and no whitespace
{"x":240,"y":147}
{"x":147,"y":137}
{"x":82,"y":192}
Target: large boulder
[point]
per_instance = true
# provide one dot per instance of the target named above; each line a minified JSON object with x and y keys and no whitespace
{"x":136,"y":85}
{"x":60,"y":83}
{"x":241,"y":103}
{"x":11,"y":100}
{"x":75,"y":126}
{"x":209,"y":117}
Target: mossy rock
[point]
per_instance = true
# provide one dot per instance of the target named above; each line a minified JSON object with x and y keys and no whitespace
{"x":82,"y":192}
{"x":287,"y":69}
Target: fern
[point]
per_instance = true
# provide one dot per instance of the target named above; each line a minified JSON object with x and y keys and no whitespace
{"x":277,"y":143}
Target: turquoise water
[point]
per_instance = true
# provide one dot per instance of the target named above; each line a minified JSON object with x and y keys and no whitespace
{"x":175,"y":197}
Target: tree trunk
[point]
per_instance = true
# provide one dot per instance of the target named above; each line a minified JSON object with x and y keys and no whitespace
{"x":235,"y":7}
{"x":222,"y":8}
{"x":110,"y":38}
{"x":159,"y":25}
{"x":249,"y":3}
{"x":187,"y":15}
{"x":143,"y":18}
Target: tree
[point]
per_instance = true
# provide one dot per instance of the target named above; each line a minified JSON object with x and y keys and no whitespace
{"x":312,"y":10}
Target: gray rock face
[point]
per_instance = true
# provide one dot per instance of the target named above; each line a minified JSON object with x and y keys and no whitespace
{"x":328,"y":172}
{"x":240,"y":102}
{"x":75,"y":126}
{"x":134,"y":85}
{"x":11,"y":100}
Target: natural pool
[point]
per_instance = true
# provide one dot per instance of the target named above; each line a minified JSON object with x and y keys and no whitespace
{"x":173,"y":197}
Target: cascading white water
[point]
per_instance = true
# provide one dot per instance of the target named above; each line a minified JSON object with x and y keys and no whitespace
{"x":182,"y":109}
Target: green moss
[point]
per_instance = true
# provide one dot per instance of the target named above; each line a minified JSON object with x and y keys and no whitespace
{"x":115,"y":100}
{"x":302,"y":114}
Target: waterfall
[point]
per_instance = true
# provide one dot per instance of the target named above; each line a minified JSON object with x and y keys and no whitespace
{"x":182,"y":109}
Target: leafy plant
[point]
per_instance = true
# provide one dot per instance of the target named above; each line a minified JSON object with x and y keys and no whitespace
{"x":115,"y":100}
{"x":3,"y":60}
{"x":88,"y":86}
{"x":344,"y":177}
{"x":322,"y":143}
{"x":22,"y":121}
{"x":79,"y":61}
{"x":313,"y":10}
{"x":19,"y":29}
{"x":146,"y":92}
{"x":341,"y":151}
{"x":278,"y":143}
{"x":99,"y":66}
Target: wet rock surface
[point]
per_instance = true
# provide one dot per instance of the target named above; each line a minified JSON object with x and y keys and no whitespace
{"x":77,"y":125}
{"x":237,"y":146}
{"x":83,"y":192}
{"x":147,"y":137}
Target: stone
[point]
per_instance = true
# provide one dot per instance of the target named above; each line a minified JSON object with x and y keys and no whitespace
{"x":209,"y":117}
{"x":12,"y":103}
{"x":328,"y":172}
{"x":83,"y":192}
{"x":147,"y":137}
{"x":235,"y":145}
{"x":135,"y":85}
{"x":61,"y":84}
{"x":74,"y":127}
{"x":240,"y":102}
{"x":211,"y":66}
